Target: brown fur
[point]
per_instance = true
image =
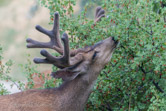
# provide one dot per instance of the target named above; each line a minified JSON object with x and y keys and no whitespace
{"x":71,"y":96}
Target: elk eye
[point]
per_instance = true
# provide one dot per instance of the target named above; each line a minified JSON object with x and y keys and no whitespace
{"x":94,"y":55}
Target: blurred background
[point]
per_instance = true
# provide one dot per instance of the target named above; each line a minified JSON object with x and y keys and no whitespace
{"x":18,"y":19}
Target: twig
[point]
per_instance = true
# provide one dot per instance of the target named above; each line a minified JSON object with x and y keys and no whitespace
{"x":9,"y":78}
{"x":164,"y":19}
{"x":14,"y":83}
{"x":130,"y":100}
{"x":157,"y":86}
{"x":144,"y":30}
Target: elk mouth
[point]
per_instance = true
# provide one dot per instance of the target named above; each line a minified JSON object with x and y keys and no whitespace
{"x":116,"y":42}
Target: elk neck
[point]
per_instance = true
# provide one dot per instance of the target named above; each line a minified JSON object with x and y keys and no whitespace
{"x":76,"y":92}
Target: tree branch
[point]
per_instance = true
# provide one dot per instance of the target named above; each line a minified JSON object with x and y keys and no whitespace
{"x":154,"y":83}
{"x":157,"y":87}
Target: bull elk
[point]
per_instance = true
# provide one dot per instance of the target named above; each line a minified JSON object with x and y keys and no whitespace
{"x":78,"y":69}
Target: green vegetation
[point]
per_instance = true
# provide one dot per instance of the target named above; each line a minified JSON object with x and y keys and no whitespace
{"x":5,"y":68}
{"x":135,"y":78}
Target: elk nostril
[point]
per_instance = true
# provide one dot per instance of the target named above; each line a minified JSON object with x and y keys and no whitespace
{"x":113,"y":39}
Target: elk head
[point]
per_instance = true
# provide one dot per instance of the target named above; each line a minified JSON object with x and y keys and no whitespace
{"x":73,"y":63}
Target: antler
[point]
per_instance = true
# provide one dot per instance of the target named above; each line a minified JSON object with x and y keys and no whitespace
{"x":56,"y":44}
{"x":100,"y":13}
{"x":60,"y":62}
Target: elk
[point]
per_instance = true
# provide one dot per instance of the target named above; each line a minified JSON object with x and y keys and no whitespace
{"x":78,"y":69}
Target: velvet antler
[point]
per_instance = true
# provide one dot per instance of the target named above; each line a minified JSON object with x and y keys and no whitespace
{"x":56,"y":44}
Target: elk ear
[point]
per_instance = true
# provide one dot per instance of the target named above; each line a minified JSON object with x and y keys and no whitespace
{"x":72,"y":72}
{"x":65,"y":74}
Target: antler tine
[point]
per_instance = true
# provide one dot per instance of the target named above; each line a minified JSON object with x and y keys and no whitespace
{"x":36,"y":44}
{"x":55,"y":30}
{"x":66,"y":53}
{"x":99,"y":14}
{"x":97,"y":10}
{"x":56,"y":23}
{"x":54,"y":43}
{"x":44,"y":31}
{"x":60,"y":62}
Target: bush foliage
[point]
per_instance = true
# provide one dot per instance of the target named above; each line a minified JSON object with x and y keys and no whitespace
{"x":135,"y":78}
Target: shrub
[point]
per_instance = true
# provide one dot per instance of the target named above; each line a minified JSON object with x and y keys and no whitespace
{"x":135,"y":78}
